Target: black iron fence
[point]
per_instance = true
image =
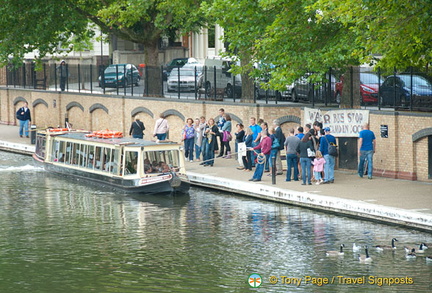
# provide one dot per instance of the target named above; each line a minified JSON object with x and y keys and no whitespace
{"x":409,"y":90}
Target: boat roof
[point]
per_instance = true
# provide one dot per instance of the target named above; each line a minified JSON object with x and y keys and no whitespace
{"x":114,"y":141}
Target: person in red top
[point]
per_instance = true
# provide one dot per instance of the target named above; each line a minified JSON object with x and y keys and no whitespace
{"x":265,"y":147}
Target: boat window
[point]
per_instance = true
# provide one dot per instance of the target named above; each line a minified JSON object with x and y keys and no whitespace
{"x":40,"y":146}
{"x":98,"y":158}
{"x":90,"y":156}
{"x":68,"y":153}
{"x":75,"y":153}
{"x":114,"y":168}
{"x":62,"y":149}
{"x":160,"y":161}
{"x":82,"y":153}
{"x":108,"y":162}
{"x":131,"y":161}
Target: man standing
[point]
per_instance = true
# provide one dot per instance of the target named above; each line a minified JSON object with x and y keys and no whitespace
{"x":220,"y":124}
{"x":256,"y":130}
{"x":281,"y":138}
{"x":137,"y":128}
{"x":24,"y":117}
{"x":329,"y":159}
{"x":291,"y":144}
{"x":63,"y":74}
{"x":366,"y":149}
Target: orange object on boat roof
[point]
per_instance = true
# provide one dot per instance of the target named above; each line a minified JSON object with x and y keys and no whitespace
{"x":106,"y":134}
{"x":57,"y":129}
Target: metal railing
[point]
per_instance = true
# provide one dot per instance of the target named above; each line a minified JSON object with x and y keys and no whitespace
{"x":403,"y":90}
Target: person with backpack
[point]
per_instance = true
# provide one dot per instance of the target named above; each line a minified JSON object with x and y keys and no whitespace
{"x":327,"y":142}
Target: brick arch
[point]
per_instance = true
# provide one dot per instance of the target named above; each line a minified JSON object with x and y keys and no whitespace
{"x":174,"y":113}
{"x":142,"y":110}
{"x":234,"y":117}
{"x":98,"y":106}
{"x":73,"y":105}
{"x":19,"y":99}
{"x":39,"y":101}
{"x":422,"y":133}
{"x":288,"y":119}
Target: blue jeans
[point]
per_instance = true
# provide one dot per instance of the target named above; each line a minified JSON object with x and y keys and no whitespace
{"x":161,"y":136}
{"x":24,"y":125}
{"x":197,"y":151}
{"x":273,"y":154}
{"x":141,"y":136}
{"x":366,"y":155}
{"x":292,"y":163}
{"x":260,"y":169}
{"x":208,"y":152}
{"x":254,"y":153}
{"x":306,"y":169}
{"x":329,"y":168}
{"x":189,"y":146}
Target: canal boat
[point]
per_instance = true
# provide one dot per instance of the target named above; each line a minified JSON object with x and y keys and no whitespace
{"x":108,"y":159}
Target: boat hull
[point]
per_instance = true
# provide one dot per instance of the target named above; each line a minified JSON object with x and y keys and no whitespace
{"x":163,"y":183}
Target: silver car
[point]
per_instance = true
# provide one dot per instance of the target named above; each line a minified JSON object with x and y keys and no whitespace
{"x":188,"y":78}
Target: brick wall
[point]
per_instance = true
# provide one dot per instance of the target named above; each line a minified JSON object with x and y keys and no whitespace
{"x":397,"y":156}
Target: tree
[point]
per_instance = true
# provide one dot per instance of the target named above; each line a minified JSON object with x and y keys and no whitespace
{"x":244,"y":21}
{"x":42,"y":25}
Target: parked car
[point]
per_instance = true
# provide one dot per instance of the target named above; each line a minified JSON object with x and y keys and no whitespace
{"x":117,"y":75}
{"x":261,"y":93}
{"x":187,"y":78}
{"x":303,"y":89}
{"x":176,"y":63}
{"x":397,"y":88}
{"x":369,"y":84}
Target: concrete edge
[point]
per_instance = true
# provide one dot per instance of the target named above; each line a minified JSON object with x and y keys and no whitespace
{"x":19,"y":148}
{"x":353,"y":208}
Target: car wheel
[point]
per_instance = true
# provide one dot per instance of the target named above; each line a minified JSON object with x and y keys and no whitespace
{"x":257,"y":94}
{"x":278,"y":96}
{"x":294,"y":96}
{"x":125,"y":82}
{"x":338,"y":98}
{"x":382,"y":101}
{"x":229,"y":91}
{"x":137,"y":81}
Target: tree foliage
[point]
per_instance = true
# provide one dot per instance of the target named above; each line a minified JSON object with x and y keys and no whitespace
{"x":296,"y":36}
{"x":28,"y":25}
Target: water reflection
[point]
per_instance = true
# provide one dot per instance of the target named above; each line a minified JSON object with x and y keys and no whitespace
{"x":60,"y":233}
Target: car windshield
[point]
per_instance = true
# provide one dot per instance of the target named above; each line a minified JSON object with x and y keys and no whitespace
{"x":370,"y":78}
{"x":417,"y":81}
{"x":186,"y":71}
{"x":112,"y":69}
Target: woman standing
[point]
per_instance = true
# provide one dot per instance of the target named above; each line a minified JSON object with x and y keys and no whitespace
{"x":226,"y":135}
{"x":188,"y":135}
{"x":247,"y":160}
{"x":305,"y":160}
{"x":161,"y":128}
{"x":239,"y":135}
{"x":210,"y":133}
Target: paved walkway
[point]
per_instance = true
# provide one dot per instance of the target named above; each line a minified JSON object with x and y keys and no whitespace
{"x":390,"y":200}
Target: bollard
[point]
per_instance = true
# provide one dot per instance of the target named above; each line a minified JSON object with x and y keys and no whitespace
{"x":33,"y":134}
{"x":273,"y":170}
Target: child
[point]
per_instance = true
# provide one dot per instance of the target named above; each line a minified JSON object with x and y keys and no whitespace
{"x":318,"y":163}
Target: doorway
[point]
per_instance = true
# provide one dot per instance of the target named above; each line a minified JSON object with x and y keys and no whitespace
{"x":348,"y":158}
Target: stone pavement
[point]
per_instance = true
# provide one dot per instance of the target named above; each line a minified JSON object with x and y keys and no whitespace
{"x":396,"y":201}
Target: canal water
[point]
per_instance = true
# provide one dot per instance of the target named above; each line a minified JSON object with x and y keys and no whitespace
{"x":63,"y":235}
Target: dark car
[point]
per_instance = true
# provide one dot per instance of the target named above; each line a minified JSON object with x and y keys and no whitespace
{"x":369,"y":84}
{"x":119,"y":75}
{"x":304,"y":90}
{"x":396,"y":89}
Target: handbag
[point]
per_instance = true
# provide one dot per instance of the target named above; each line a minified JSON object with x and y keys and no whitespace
{"x":275,"y":143}
{"x":311,"y":153}
{"x":331,"y":148}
